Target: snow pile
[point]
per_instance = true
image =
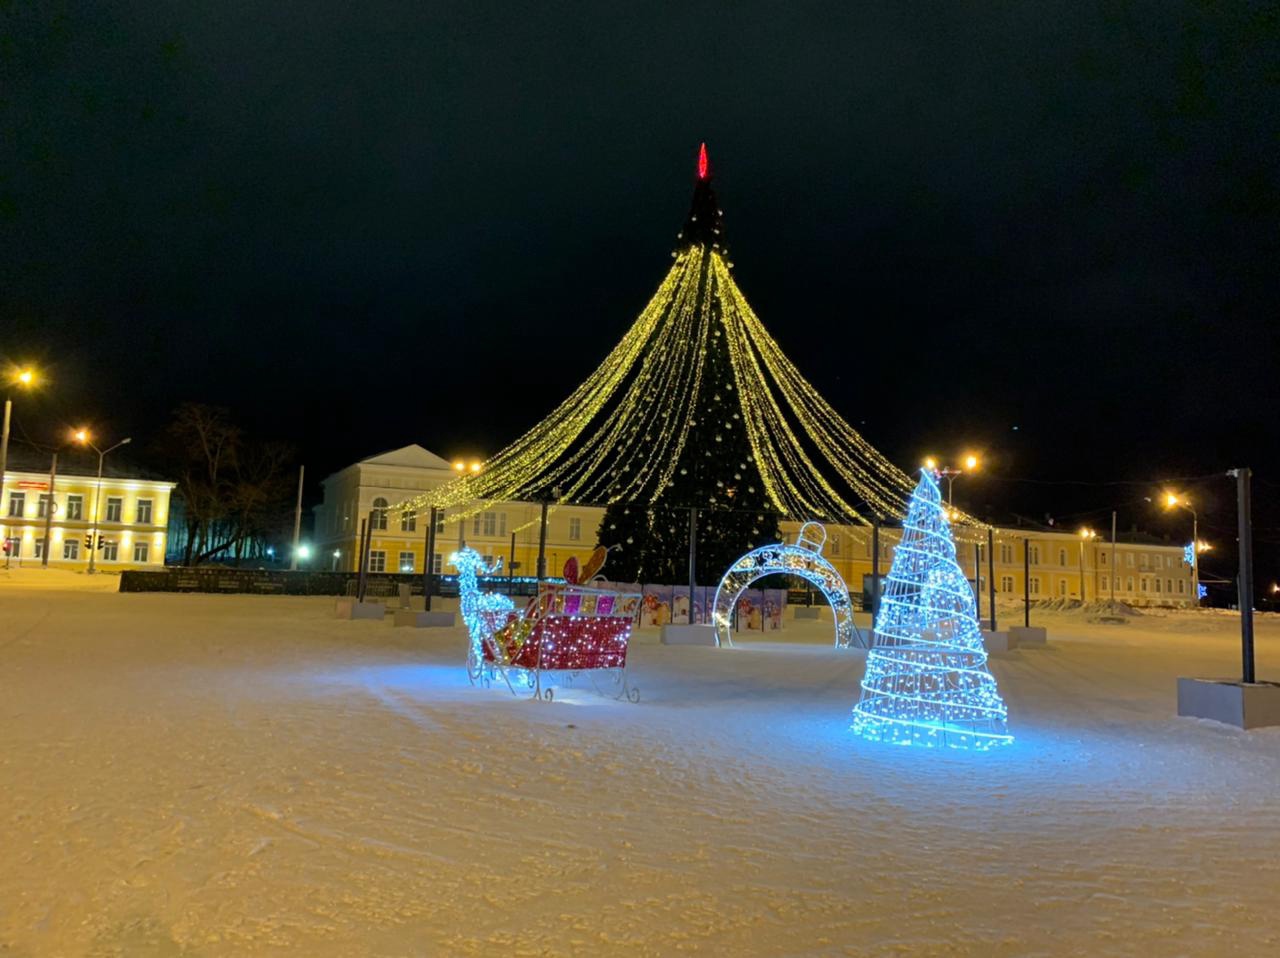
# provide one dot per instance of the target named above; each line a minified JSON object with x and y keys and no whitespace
{"x":222,"y":775}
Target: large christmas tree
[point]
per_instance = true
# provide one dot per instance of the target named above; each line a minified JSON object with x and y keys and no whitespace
{"x":715,"y":472}
{"x":695,"y":408}
{"x":926,"y":681}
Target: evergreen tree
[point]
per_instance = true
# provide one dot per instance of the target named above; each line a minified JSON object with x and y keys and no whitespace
{"x":715,"y":472}
{"x":926,"y":681}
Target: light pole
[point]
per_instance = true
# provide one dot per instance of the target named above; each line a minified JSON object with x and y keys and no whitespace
{"x":1171,"y":501}
{"x":82,"y":437}
{"x":950,"y":472}
{"x":26,"y":378}
{"x":1085,"y":536}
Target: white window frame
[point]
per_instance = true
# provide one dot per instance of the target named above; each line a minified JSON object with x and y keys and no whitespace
{"x":379,"y":510}
{"x":400,"y":564}
{"x":75,"y":507}
{"x":70,"y":549}
{"x":19,"y":499}
{"x":408,"y":521}
{"x":111,"y":551}
{"x":377,"y":560}
{"x":142,"y":552}
{"x":575,"y":533}
{"x":137,"y":511}
{"x":118,"y":502}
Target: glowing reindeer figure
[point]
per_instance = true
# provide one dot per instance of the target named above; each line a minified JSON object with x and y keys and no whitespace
{"x":483,"y":612}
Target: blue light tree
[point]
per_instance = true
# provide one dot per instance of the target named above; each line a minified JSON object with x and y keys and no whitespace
{"x":927,"y":681}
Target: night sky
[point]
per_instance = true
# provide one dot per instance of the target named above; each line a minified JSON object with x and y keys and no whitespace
{"x":1047,"y":231}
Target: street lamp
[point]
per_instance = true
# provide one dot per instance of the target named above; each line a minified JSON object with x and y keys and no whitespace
{"x":1085,"y":535}
{"x":970,"y":463}
{"x":23,"y":377}
{"x":83,"y":437}
{"x":1174,"y":501}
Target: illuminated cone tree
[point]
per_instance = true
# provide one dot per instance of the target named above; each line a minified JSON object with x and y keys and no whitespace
{"x":926,"y":681}
{"x":696,"y":407}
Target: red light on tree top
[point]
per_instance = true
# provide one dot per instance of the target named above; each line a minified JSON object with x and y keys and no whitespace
{"x":702,"y":162}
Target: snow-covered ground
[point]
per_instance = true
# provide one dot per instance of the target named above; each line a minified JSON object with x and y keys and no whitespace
{"x":222,"y":775}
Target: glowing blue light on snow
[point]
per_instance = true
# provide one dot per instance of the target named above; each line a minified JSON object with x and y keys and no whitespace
{"x":1202,"y":591}
{"x":1189,"y":554}
{"x":927,"y":681}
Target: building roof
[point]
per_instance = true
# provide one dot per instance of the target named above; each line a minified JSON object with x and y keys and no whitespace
{"x":412,"y":455}
{"x":73,"y":461}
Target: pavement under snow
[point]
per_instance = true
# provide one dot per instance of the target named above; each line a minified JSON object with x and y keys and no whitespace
{"x":244,"y":775}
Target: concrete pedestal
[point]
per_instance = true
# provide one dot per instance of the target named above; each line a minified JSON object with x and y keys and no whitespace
{"x":348,"y":608}
{"x":424,"y":620}
{"x":1028,"y":636}
{"x":1233,"y":703}
{"x":998,"y":643}
{"x":808,"y":612}
{"x":689,"y":635}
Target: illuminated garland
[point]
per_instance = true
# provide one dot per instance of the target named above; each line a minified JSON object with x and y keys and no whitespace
{"x":926,"y":681}
{"x":804,"y":559}
{"x":619,"y":437}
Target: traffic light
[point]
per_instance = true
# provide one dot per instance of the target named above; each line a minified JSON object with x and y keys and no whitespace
{"x":88,"y":540}
{"x":102,"y":541}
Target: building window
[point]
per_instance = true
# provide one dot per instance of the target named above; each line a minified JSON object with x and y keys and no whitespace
{"x":1062,"y":587}
{"x":39,"y":547}
{"x":488,"y":560}
{"x":110,"y":551}
{"x":379,"y":513}
{"x":575,"y":533}
{"x":1144,"y":583}
{"x":835,"y":542}
{"x":1102,"y":558}
{"x":408,"y":521}
{"x":71,"y":548}
{"x":1006,"y":583}
{"x":1035,"y":555}
{"x":1035,"y":585}
{"x":143,"y":514}
{"x":17,"y":504}
{"x":42,"y":506}
{"x":115,"y":508}
{"x":440,"y":521}
{"x":141,"y":551}
{"x":1102,"y":582}
{"x":75,"y":507}
{"x":377,"y":560}
{"x":1156,"y":583}
{"x":1006,"y":554}
{"x":406,"y":562}
{"x":15,"y":546}
{"x":1182,"y":587}
{"x":1128,"y":584}
{"x":1143,"y":561}
{"x":1062,"y":557}
{"x":437,"y":563}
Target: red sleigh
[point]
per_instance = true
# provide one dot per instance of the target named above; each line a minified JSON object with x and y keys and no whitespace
{"x":568,"y":632}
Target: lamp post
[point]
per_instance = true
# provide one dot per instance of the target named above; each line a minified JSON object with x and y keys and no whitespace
{"x":25,"y":378}
{"x":1085,"y":536}
{"x":82,"y":436}
{"x":1171,"y":501}
{"x":970,"y":464}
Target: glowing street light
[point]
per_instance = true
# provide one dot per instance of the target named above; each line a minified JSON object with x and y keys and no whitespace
{"x":969,"y":463}
{"x":83,"y":437}
{"x":1174,"y":501}
{"x":24,"y":377}
{"x":1085,"y":535}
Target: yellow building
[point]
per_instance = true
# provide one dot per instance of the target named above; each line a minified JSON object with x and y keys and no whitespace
{"x":398,"y":542}
{"x":1062,"y":564}
{"x":133,"y":516}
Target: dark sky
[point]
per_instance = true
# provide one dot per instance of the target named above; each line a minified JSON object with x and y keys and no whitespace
{"x":366,"y":224}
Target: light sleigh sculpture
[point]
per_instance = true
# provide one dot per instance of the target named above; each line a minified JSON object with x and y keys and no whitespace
{"x":926,"y":681}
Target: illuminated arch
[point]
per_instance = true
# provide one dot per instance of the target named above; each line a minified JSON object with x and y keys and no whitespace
{"x":803,"y":559}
